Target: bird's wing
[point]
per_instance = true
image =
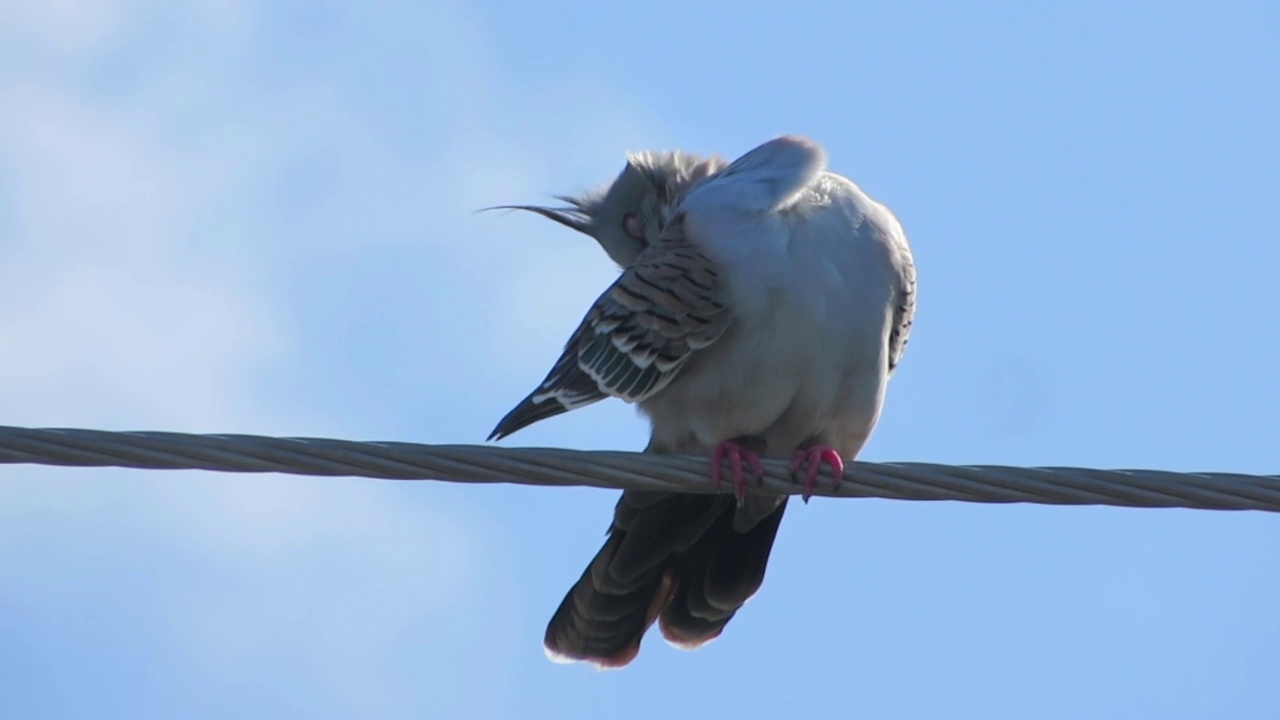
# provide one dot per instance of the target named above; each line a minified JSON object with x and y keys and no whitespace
{"x":671,"y":302}
{"x":762,"y":179}
{"x":637,"y":336}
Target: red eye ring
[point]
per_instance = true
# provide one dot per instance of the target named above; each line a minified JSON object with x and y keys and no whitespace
{"x":632,"y":227}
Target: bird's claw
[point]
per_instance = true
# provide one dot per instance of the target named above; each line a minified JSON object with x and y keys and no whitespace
{"x":736,"y":454}
{"x":812,"y":458}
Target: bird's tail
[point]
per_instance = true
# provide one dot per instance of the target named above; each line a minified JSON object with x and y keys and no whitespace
{"x":678,"y":559}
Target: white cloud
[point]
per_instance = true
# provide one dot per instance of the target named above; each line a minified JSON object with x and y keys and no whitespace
{"x":111,"y":313}
{"x":133,"y":296}
{"x":148,"y":247}
{"x":68,"y":28}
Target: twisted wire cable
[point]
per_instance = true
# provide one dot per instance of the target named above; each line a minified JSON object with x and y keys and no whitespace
{"x":628,"y":470}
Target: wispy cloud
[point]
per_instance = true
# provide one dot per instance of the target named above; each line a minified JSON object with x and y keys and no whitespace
{"x":135,"y":292}
{"x":173,"y":231}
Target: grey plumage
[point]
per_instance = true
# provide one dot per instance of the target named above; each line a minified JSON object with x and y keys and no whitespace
{"x":762,"y":306}
{"x":648,"y":189}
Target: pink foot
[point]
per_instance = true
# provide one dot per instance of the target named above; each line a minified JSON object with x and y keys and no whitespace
{"x":736,"y":454}
{"x":813,"y":457}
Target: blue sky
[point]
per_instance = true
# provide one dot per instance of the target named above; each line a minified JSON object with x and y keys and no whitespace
{"x":238,"y":217}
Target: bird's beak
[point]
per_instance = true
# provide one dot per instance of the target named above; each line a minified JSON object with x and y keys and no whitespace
{"x":568,"y":216}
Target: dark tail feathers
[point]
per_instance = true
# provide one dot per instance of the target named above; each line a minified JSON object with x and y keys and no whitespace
{"x":674,"y":558}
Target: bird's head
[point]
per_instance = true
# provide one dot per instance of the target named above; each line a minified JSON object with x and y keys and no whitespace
{"x":627,"y":215}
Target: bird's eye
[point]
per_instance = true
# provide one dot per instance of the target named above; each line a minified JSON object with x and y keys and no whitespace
{"x":631,"y":225}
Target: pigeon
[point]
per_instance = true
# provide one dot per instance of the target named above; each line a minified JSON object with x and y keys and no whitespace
{"x":762,"y":306}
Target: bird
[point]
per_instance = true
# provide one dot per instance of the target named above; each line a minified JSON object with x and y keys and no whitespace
{"x":761,"y":308}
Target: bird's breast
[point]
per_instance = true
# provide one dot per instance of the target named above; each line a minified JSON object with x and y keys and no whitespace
{"x":810,"y":290}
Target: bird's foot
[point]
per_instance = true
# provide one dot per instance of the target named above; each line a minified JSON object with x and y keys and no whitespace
{"x":811,"y":458}
{"x":736,"y":452}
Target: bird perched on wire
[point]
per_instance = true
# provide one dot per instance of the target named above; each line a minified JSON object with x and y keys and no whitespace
{"x":763,"y":305}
